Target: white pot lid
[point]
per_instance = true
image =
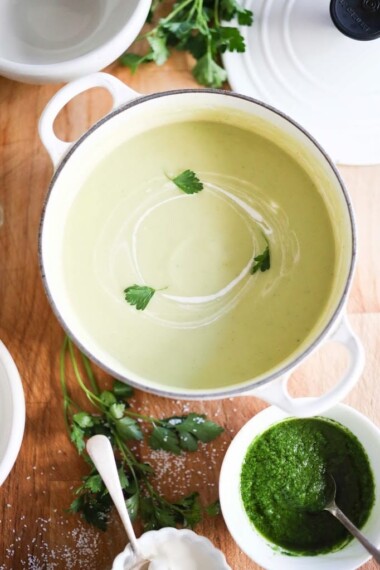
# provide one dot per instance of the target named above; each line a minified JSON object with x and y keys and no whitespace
{"x":299,"y":62}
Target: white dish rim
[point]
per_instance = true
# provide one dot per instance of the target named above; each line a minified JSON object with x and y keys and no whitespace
{"x":18,"y":414}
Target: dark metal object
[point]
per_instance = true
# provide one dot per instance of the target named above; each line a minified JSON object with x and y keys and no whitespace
{"x":357,"y":19}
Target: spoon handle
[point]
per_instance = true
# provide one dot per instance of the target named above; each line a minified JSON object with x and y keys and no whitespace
{"x":334,"y":510}
{"x":100,"y":450}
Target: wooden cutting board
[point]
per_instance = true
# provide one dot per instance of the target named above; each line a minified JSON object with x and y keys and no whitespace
{"x":35,"y":531}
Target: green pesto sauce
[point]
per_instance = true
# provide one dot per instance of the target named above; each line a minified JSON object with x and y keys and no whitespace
{"x":285,"y":483}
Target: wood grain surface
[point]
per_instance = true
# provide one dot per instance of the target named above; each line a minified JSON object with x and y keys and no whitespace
{"x":35,"y":530}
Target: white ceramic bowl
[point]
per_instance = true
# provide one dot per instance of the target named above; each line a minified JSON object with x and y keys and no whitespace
{"x":212,"y":558}
{"x":12,"y":412}
{"x":250,"y":541}
{"x":44,"y":41}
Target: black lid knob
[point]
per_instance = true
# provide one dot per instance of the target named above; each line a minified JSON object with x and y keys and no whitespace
{"x":357,"y":19}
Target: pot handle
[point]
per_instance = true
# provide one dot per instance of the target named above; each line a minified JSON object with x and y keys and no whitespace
{"x":56,"y":147}
{"x":276,"y":392}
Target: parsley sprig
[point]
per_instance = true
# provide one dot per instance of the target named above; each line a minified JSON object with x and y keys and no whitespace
{"x":261,"y":262}
{"x":139,"y":296}
{"x":188,"y":182}
{"x":111,"y":415}
{"x":194,"y":26}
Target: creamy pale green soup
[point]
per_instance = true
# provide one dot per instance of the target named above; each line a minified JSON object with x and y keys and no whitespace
{"x":215,"y":324}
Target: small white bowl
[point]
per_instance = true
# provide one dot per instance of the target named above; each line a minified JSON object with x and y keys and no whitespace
{"x":255,"y":545}
{"x":212,"y":558}
{"x":46,"y":41}
{"x":12,"y":412}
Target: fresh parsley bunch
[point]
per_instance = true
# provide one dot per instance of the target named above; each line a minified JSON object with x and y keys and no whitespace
{"x":112,"y":416}
{"x":195,"y":26}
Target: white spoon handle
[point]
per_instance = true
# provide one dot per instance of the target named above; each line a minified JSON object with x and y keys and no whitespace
{"x":100,"y":450}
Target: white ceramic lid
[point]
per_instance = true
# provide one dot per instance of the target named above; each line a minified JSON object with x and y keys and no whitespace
{"x":299,"y":62}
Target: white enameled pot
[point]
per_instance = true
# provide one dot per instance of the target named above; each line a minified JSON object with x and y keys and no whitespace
{"x":134,"y":114}
{"x":47,"y":41}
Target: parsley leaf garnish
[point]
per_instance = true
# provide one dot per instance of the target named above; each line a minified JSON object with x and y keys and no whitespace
{"x":139,"y":296}
{"x":261,"y":262}
{"x":113,"y":417}
{"x":195,"y":27}
{"x":188,"y":182}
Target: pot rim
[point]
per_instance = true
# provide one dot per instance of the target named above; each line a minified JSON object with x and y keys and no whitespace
{"x":210,"y":393}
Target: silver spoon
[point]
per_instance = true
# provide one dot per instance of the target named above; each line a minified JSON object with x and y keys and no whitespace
{"x":333,"y":508}
{"x":100,"y":450}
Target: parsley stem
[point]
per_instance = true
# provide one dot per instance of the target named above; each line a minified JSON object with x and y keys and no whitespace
{"x":216,"y":13}
{"x":90,"y":395}
{"x":174,"y":12}
{"x":144,"y":418}
{"x":166,"y":20}
{"x":128,"y":456}
{"x":90,"y":374}
{"x":62,"y":378}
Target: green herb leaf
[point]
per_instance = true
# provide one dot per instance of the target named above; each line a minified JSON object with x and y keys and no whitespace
{"x":83,"y":420}
{"x":132,"y":504}
{"x":197,"y":45}
{"x":165,"y":518}
{"x":122,"y":390}
{"x":203,"y":429}
{"x":107,"y":398}
{"x":117,"y":410}
{"x":180,"y":30}
{"x":245,"y":17}
{"x":261,"y":262}
{"x":231,"y":39}
{"x":139,"y":296}
{"x":133,"y":61}
{"x":123,"y":478}
{"x":94,"y":483}
{"x":232,"y":8}
{"x":188,"y":182}
{"x":94,"y":508}
{"x":190,"y":510}
{"x":160,"y":52}
{"x":208,"y":72}
{"x":128,"y":428}
{"x":163,"y":438}
{"x":213,"y":509}
{"x":187,"y":441}
{"x":77,"y":437}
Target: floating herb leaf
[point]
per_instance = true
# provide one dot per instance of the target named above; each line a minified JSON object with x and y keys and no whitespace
{"x":188,"y":182}
{"x":261,"y":262}
{"x":139,"y":296}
